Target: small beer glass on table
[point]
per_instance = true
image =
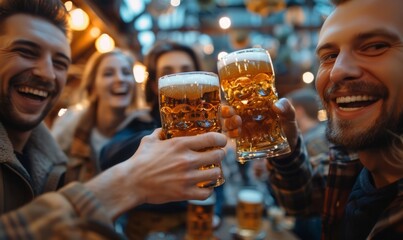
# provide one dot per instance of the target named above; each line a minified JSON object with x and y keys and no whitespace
{"x":249,"y":214}
{"x":199,"y":223}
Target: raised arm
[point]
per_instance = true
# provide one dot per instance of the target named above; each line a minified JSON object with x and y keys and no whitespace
{"x":296,"y":185}
{"x":160,"y":171}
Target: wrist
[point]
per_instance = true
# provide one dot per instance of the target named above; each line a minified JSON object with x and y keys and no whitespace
{"x":112,"y":187}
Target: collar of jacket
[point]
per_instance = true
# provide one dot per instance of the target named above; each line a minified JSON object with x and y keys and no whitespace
{"x":43,"y":153}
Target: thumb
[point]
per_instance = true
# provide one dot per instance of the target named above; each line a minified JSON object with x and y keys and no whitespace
{"x":284,"y":109}
{"x":286,"y":113}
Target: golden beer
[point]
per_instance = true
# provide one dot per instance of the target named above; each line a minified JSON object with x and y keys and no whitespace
{"x":249,"y":212}
{"x":199,"y":222}
{"x":247,"y":80}
{"x":189,"y":105}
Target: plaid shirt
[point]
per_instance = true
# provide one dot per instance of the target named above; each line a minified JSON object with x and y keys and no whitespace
{"x":301,"y":189}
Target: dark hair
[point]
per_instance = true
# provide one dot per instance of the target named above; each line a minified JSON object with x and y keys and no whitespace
{"x":51,"y":10}
{"x":154,"y":54}
{"x":307,"y":99}
{"x":338,"y":2}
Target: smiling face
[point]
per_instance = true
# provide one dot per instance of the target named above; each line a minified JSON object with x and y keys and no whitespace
{"x":172,"y":62}
{"x":114,"y":81}
{"x":360,"y":75}
{"x":34,"y":58}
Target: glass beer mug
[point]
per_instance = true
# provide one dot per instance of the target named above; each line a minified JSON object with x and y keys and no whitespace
{"x":189,"y":105}
{"x":200,"y":219}
{"x":247,"y":80}
{"x":249,"y":213}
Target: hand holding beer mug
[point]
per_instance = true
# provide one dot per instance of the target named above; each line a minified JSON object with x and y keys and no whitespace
{"x":189,"y":105}
{"x":247,"y":80}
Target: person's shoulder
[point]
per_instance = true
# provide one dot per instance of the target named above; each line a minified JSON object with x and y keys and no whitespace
{"x":70,"y":117}
{"x":139,"y":119}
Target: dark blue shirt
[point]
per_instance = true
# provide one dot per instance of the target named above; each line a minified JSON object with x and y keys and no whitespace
{"x":365,"y":206}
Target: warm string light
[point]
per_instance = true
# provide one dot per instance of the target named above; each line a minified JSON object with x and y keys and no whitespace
{"x":79,"y":19}
{"x":225,"y":22}
{"x":68,"y":5}
{"x":308,"y":77}
{"x":140,"y":72}
{"x":104,"y":43}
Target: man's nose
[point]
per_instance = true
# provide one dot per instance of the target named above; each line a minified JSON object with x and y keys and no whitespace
{"x":44,"y":69}
{"x":346,"y":67}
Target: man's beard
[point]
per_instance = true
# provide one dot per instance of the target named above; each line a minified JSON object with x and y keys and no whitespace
{"x":381,"y":133}
{"x":10,"y":118}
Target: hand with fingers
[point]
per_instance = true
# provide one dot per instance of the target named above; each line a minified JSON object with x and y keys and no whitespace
{"x":230,"y":121}
{"x":286,"y":112}
{"x":161,"y":171}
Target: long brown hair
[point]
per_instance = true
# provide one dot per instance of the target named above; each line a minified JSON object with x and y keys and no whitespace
{"x":338,"y":2}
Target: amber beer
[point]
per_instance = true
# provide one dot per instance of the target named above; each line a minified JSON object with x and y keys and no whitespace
{"x":247,"y":80}
{"x":189,"y":105}
{"x":249,"y":212}
{"x":199,"y":223}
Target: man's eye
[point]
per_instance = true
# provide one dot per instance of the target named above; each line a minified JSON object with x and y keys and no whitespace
{"x":327,"y":58}
{"x":166,"y":73}
{"x":127,"y":72}
{"x":107,"y":74}
{"x":375,"y":48}
{"x":25,"y":52}
{"x":61,"y":65}
{"x":186,"y":69}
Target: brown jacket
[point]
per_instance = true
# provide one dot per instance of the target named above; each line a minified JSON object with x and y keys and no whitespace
{"x":28,"y":212}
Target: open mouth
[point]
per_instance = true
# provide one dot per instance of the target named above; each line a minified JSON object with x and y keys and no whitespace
{"x":120,"y":91}
{"x":352,"y":103}
{"x":33,"y":93}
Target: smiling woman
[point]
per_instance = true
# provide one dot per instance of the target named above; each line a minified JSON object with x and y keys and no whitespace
{"x":107,"y":93}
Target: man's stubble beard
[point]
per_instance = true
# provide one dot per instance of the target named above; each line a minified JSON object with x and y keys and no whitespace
{"x":11,"y":120}
{"x":381,"y":134}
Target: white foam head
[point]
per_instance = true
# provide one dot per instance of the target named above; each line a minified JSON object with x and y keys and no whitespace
{"x":250,"y":196}
{"x":256,"y":54}
{"x":186,"y":78}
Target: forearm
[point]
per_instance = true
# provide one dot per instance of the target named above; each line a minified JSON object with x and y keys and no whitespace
{"x":160,"y":171}
{"x":71,"y":213}
{"x":292,"y":181}
{"x":116,"y":190}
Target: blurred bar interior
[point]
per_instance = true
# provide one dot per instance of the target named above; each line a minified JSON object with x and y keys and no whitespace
{"x":288,"y":29}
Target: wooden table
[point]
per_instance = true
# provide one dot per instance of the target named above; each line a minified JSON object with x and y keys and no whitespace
{"x":229,"y":222}
{"x":227,"y":228}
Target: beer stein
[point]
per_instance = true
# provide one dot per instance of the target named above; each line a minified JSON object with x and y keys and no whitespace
{"x":247,"y":80}
{"x":189,"y":105}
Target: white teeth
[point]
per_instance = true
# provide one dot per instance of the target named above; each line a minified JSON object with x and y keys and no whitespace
{"x":34,"y":91}
{"x":350,"y":99}
{"x":120,"y":90}
{"x":349,"y":109}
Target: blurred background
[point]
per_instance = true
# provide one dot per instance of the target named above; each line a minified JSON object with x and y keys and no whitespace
{"x":288,"y":29}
